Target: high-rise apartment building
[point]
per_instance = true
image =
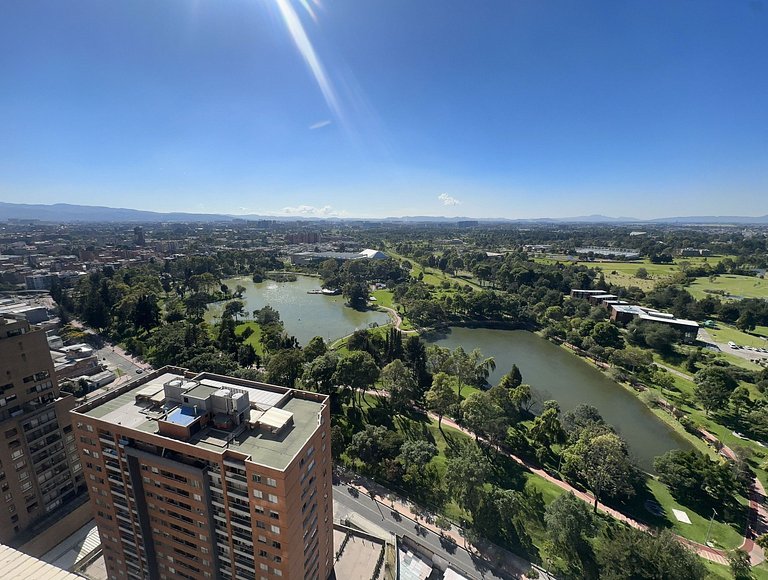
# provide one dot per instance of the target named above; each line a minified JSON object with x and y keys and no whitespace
{"x":40,"y":469}
{"x":203,"y":476}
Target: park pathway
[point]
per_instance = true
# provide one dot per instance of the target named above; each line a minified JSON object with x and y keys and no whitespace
{"x":757,"y":521}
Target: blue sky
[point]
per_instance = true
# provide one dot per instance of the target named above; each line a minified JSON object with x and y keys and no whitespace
{"x":508,"y":108}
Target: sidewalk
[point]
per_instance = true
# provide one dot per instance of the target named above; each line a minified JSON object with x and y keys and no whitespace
{"x":499,"y":557}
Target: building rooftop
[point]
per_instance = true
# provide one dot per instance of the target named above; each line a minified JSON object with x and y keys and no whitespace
{"x":276,"y":421}
{"x":15,"y":565}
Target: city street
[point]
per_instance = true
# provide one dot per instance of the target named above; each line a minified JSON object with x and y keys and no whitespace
{"x":381,"y":515}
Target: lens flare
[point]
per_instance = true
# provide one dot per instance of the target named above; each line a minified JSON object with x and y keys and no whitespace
{"x":308,"y":53}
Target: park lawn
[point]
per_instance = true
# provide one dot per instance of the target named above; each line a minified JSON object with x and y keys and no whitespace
{"x":383,"y":298}
{"x":723,"y":535}
{"x":722,"y":572}
{"x":725,"y":333}
{"x":732,"y":285}
{"x":255,"y":339}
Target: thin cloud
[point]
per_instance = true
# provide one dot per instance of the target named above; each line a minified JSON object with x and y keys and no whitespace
{"x":320,"y":124}
{"x":311,"y":210}
{"x":448,"y":200}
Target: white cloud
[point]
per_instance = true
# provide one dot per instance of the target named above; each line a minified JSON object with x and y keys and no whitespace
{"x":447,"y":199}
{"x":320,"y":124}
{"x":311,"y":210}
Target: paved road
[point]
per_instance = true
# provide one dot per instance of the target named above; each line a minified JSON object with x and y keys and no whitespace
{"x":380,"y":515}
{"x":117,"y":360}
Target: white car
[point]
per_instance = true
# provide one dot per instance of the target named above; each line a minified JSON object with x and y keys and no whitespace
{"x":733,"y":344}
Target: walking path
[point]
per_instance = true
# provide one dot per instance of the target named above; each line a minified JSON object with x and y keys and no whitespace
{"x":712,"y":554}
{"x":397,"y":319}
{"x":757,"y":520}
{"x":484,"y":555}
{"x":674,"y":371}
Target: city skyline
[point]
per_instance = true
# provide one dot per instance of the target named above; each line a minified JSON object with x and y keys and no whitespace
{"x":288,"y":108}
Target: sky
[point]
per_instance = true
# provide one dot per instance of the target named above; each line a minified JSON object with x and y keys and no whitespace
{"x":362,"y":108}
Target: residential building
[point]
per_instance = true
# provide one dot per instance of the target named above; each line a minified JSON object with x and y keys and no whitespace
{"x":200,"y":476}
{"x":40,"y":470}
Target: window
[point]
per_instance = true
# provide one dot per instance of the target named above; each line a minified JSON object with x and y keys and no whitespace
{"x":275,"y":529}
{"x":272,"y":498}
{"x":277,"y":572}
{"x":8,"y":497}
{"x":271,"y":482}
{"x":16,"y":454}
{"x":274,"y":515}
{"x":256,"y":478}
{"x":257,"y":493}
{"x":10,"y":433}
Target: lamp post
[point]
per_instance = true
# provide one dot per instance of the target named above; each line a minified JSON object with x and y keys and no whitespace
{"x":709,"y":528}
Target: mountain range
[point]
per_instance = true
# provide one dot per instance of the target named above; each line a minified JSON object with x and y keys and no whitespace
{"x":69,"y":213}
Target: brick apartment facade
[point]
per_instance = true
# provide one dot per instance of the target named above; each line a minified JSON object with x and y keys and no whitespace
{"x":201,"y":476}
{"x":40,"y":470}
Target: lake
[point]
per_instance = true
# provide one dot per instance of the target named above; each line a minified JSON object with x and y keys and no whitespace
{"x":304,"y":315}
{"x":557,"y":374}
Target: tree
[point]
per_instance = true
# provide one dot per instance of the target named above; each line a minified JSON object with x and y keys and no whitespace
{"x":512,"y":379}
{"x":415,"y":356}
{"x":315,"y":347}
{"x":631,"y":553}
{"x":547,"y":430}
{"x":357,"y":370}
{"x":375,"y":444}
{"x":356,"y":294}
{"x":319,"y":374}
{"x":740,"y":401}
{"x":602,"y":463}
{"x":266,"y":316}
{"x":483,"y":416}
{"x":641,"y":273}
{"x":415,"y":455}
{"x":740,"y":565}
{"x":234,"y":308}
{"x":583,"y":417}
{"x":632,"y":358}
{"x":466,"y":473}
{"x":713,"y":388}
{"x":441,"y":397}
{"x":246,"y":355}
{"x":607,"y":335}
{"x":696,"y":480}
{"x":398,"y":381}
{"x":569,"y":525}
{"x":285,"y":366}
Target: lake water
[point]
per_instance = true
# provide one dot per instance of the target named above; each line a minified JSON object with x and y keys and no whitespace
{"x":556,"y":374}
{"x":304,"y":315}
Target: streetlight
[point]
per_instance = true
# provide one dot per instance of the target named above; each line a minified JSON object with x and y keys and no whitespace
{"x":709,"y":528}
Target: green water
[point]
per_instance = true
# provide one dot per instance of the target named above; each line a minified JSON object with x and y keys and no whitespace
{"x":304,"y":315}
{"x":556,"y":374}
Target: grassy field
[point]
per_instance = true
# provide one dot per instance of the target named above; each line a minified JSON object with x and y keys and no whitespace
{"x":725,"y":333}
{"x":255,"y":339}
{"x":731,"y":285}
{"x":719,"y":572}
{"x":625,"y":273}
{"x":724,"y":536}
{"x":383,"y":298}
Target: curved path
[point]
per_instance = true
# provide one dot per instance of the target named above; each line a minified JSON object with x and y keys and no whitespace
{"x":757,"y":520}
{"x":397,"y":320}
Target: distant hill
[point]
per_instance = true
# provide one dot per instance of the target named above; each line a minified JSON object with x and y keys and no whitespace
{"x":65,"y":213}
{"x":68,"y":213}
